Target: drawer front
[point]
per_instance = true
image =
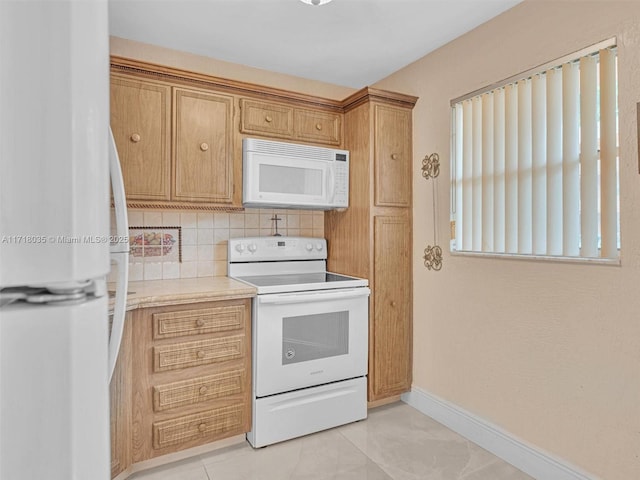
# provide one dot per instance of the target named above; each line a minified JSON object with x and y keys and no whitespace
{"x":319,"y":127}
{"x":198,"y":390}
{"x":194,"y":322}
{"x":203,"y":352}
{"x":200,"y":425}
{"x":266,"y":118}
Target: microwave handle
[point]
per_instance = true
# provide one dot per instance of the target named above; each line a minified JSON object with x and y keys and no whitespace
{"x":331,"y":190}
{"x":305,"y":297}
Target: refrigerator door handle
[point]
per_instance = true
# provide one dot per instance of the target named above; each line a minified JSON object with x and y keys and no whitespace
{"x":119,"y":254}
{"x":119,"y":200}
{"x":119,"y":308}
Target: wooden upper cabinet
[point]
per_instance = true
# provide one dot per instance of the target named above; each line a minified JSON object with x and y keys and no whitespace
{"x":203,"y":147}
{"x":140,"y":121}
{"x":320,"y":127}
{"x":266,"y":118}
{"x":280,"y":120}
{"x":392,"y":156}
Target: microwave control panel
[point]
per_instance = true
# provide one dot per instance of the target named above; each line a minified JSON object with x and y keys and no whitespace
{"x":341,"y":192}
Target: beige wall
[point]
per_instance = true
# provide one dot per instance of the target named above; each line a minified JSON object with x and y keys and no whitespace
{"x":548,"y":351}
{"x":164,"y":56}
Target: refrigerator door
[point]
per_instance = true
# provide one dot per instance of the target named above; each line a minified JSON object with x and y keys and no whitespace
{"x":54,"y":408}
{"x":54,"y":232}
{"x":54,"y":120}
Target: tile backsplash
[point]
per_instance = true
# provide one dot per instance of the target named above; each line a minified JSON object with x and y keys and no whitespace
{"x":204,"y":238}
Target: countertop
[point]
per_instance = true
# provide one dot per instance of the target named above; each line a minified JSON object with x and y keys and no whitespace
{"x":158,"y":293}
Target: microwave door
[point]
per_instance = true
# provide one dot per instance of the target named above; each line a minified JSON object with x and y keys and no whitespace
{"x":287,"y":182}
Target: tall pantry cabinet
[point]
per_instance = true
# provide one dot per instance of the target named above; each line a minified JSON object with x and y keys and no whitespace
{"x":373,"y":237}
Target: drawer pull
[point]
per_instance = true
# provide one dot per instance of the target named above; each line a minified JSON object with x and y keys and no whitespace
{"x":204,"y":147}
{"x":200,"y":322}
{"x":135,"y":138}
{"x":394,"y":156}
{"x":200,"y":354}
{"x":268,"y":119}
{"x":318,"y":126}
{"x":202,"y":427}
{"x":203,"y":390}
{"x":393,"y":303}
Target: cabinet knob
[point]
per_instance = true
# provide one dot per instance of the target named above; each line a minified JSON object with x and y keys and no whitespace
{"x":394,"y":156}
{"x":200,"y":322}
{"x":135,"y":138}
{"x":203,"y":390}
{"x":393,"y":303}
{"x":202,"y":427}
{"x":268,"y":119}
{"x":200,"y":354}
{"x":318,"y":126}
{"x":204,"y":146}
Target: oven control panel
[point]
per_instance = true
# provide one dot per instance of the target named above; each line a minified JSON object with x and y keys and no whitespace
{"x":257,"y":249}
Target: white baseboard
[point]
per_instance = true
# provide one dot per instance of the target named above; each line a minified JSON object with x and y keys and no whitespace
{"x":529,"y":459}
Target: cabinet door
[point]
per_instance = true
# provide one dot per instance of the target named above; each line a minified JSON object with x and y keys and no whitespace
{"x":392,"y":156}
{"x":265,"y":118}
{"x":203,"y":147}
{"x":391,"y":327}
{"x":319,"y":127}
{"x":140,"y":121}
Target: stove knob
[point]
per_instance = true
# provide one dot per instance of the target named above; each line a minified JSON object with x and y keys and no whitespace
{"x":309,"y":247}
{"x":241,"y":247}
{"x":253,"y":247}
{"x":319,"y":246}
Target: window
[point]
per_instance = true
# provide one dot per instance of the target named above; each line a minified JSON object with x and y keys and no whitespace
{"x":534,"y":164}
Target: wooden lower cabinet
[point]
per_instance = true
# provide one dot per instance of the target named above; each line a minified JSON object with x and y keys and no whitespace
{"x":120,"y":404}
{"x":183,"y":379}
{"x":192,"y":376}
{"x":391,"y":337}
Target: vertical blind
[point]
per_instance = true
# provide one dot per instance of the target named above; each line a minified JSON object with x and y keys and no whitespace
{"x":534,"y":162}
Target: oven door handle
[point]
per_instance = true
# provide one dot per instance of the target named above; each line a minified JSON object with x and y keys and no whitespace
{"x":319,"y":296}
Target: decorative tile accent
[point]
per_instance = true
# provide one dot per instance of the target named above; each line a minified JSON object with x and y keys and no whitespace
{"x":156,"y":244}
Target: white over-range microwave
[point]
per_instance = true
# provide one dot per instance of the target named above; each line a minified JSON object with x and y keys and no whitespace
{"x":288,"y":175}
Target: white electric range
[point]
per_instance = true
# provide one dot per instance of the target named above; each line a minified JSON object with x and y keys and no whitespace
{"x":310,"y":337}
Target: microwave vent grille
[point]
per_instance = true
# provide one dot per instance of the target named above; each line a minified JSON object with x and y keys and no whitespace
{"x":290,"y":150}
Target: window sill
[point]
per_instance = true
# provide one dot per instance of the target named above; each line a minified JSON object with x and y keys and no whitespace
{"x":614,"y":262}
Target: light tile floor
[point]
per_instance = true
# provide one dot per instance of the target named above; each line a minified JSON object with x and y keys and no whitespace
{"x":396,"y":442}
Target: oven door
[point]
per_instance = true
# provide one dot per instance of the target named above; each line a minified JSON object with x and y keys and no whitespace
{"x":309,"y":338}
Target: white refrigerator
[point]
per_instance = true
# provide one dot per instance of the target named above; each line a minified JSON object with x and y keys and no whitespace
{"x":55,"y":145}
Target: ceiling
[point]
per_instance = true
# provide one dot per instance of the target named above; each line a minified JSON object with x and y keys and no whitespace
{"x":352,"y":43}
